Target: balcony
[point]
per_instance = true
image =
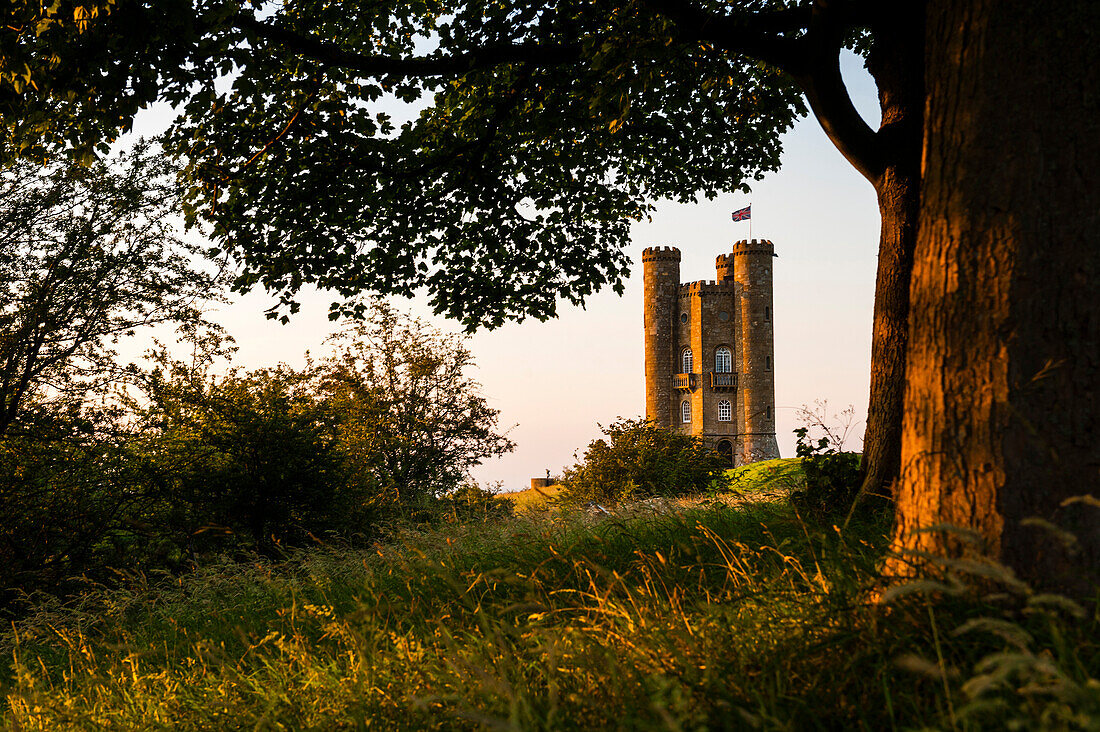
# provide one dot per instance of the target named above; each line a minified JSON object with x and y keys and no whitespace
{"x":722,"y":382}
{"x":684,"y":382}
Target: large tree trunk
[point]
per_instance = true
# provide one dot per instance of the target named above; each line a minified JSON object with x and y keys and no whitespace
{"x":896,"y":63}
{"x":1001,"y":405}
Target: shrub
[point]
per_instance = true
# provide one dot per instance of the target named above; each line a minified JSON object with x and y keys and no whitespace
{"x":250,"y":454}
{"x":471,"y":502}
{"x":386,"y":426}
{"x":832,"y":476}
{"x":640,"y":460}
{"x":179,"y":460}
{"x":73,"y":497}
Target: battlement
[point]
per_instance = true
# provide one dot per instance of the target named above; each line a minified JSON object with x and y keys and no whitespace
{"x":658,"y":254}
{"x":706,"y":287}
{"x":753,"y":246}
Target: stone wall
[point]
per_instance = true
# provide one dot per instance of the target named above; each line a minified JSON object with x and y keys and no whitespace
{"x":711,"y":323}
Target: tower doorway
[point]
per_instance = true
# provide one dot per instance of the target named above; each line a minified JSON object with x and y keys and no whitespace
{"x":725,"y":451}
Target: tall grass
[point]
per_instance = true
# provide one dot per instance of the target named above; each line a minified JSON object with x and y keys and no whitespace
{"x":713,"y":617}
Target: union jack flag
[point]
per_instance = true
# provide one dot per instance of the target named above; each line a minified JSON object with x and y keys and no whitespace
{"x":743,"y":214}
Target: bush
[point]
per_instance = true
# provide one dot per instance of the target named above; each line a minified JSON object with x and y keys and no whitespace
{"x":471,"y":502}
{"x":179,"y":460}
{"x":73,"y":498}
{"x":832,"y":476}
{"x":408,"y":419}
{"x":385,"y":427}
{"x":641,"y":460}
{"x":248,"y":454}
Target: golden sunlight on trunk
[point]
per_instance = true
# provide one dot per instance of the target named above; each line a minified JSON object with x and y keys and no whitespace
{"x":1001,"y":413}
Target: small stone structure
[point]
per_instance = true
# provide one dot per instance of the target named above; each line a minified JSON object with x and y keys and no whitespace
{"x":709,"y":353}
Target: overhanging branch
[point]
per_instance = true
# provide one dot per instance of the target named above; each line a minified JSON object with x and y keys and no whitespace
{"x":805,"y":42}
{"x":765,"y":36}
{"x":817,"y":70}
{"x":535,"y":53}
{"x":832,"y":105}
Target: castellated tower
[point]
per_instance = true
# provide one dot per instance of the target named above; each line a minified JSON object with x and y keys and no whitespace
{"x":752,"y":271}
{"x":709,"y":350}
{"x":661,"y":274}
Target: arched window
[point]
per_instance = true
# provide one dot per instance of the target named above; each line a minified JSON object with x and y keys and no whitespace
{"x":723,"y":360}
{"x":767,"y":363}
{"x":686,"y":361}
{"x":725,"y":412}
{"x":685,"y":411}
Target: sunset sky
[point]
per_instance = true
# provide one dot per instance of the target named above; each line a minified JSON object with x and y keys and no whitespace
{"x":554,"y":382}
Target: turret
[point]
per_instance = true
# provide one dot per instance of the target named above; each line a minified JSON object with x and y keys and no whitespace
{"x":661,"y":277}
{"x":724,"y":265}
{"x":752,"y":269}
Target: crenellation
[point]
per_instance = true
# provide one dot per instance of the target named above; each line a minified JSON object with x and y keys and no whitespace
{"x":706,"y":287}
{"x":753,"y":246}
{"x":651,"y":254}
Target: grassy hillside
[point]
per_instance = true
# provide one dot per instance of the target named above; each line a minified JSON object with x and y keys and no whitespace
{"x":781,"y":474}
{"x":718,"y":617}
{"x":757,"y":478}
{"x":532,"y":498}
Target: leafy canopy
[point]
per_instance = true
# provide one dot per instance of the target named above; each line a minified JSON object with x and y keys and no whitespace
{"x":542,"y":130}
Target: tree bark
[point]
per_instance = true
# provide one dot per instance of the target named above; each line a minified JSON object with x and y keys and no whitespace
{"x":898,"y":197}
{"x":1001,"y":415}
{"x":896,"y":63}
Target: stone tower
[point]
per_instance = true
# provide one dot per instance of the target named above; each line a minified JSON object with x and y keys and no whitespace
{"x":661,"y":272}
{"x":709,"y":350}
{"x":752,"y":271}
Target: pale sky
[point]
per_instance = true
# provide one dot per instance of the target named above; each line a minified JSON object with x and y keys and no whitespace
{"x":554,"y":382}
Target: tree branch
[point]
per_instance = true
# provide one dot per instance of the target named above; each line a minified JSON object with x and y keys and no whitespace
{"x":534,"y":53}
{"x":765,"y":36}
{"x":805,"y":42}
{"x":833,"y":107}
{"x":817,"y":70}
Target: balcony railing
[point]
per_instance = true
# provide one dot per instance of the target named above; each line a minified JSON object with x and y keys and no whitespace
{"x":721,"y":382}
{"x":684,"y":382}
